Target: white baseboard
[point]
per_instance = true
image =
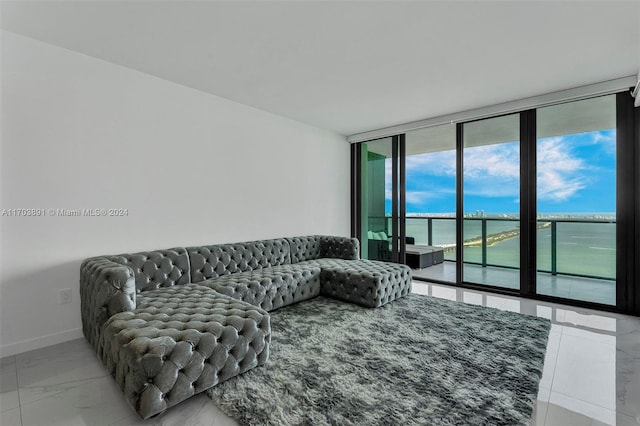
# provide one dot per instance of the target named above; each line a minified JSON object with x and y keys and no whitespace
{"x":39,"y":342}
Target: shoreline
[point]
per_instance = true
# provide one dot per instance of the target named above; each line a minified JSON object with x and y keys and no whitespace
{"x":493,"y":239}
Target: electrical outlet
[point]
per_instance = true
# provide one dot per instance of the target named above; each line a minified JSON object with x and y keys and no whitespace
{"x":65,"y":296}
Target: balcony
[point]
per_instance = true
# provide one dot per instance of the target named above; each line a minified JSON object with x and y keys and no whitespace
{"x":575,"y":256}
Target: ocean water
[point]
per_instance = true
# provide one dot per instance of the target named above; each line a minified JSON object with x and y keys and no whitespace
{"x":581,"y":248}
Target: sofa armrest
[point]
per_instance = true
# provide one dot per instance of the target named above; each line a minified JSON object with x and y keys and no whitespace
{"x":340,"y":248}
{"x":106,"y":288}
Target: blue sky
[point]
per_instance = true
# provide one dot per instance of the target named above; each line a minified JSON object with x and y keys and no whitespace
{"x":576,"y":174}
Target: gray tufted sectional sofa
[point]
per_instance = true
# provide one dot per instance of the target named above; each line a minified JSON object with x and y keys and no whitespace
{"x":169,"y":324}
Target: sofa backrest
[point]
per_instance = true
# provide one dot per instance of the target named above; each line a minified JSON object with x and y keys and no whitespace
{"x":340,"y":248}
{"x":224,"y":259}
{"x":323,"y":246}
{"x":304,"y":248}
{"x":165,"y":268}
{"x":159,"y":268}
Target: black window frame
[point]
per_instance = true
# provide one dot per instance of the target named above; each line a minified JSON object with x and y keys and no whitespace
{"x":627,"y":209}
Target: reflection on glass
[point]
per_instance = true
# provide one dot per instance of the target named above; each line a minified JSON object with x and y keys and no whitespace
{"x":376,"y":182}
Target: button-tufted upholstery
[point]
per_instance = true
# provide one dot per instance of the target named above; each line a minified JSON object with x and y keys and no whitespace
{"x":304,"y":248}
{"x":155,"y":269}
{"x":181,"y":341}
{"x":339,"y":248}
{"x":270,"y":288}
{"x":318,"y":246}
{"x":214,"y":261}
{"x":171,"y":323}
{"x":366,"y":282}
{"x":106,"y":288}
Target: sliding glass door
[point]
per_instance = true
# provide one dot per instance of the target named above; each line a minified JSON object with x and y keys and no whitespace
{"x":576,"y":200}
{"x":431,"y":202}
{"x":491,"y":201}
{"x":540,"y":202}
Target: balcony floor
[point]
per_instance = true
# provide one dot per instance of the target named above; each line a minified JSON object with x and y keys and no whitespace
{"x":570,"y":287}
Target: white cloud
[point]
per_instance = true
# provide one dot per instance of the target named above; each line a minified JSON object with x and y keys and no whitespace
{"x":559,"y":173}
{"x":418,"y":197}
{"x":434,"y":193}
{"x":500,"y":160}
{"x":607,"y":139}
{"x":442,"y":163}
{"x":435,"y":163}
{"x":494,"y":170}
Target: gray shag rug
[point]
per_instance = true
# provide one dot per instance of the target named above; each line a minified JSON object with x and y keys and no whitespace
{"x":416,"y":361}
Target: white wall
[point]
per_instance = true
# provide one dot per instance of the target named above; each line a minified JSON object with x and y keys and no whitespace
{"x":191,"y":169}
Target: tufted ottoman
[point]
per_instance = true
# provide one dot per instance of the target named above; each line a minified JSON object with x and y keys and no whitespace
{"x":180,"y":341}
{"x":365,"y":282}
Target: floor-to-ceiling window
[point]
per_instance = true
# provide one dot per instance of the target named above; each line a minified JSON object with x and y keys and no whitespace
{"x":576,"y":200}
{"x":491,"y":201}
{"x":431,"y":201}
{"x":537,"y":196}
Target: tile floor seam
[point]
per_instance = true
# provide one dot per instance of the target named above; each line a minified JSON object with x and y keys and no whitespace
{"x":555,"y":363}
{"x":67,"y":381}
{"x":15,"y":373}
{"x":586,"y":402}
{"x":589,"y":330}
{"x":54,"y":384}
{"x":595,"y":341}
{"x":15,"y":370}
{"x":546,"y":409}
{"x":18,"y":388}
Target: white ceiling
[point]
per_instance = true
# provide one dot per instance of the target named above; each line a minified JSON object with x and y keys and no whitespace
{"x":350,"y":66}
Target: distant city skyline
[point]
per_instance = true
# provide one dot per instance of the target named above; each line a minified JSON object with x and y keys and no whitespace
{"x":576,"y":175}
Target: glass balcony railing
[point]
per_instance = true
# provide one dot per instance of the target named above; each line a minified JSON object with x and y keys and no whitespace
{"x":576,"y":247}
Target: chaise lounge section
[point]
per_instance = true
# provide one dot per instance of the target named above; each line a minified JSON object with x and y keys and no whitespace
{"x":169,"y":324}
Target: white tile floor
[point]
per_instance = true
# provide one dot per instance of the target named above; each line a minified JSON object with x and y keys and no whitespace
{"x":591,"y":374}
